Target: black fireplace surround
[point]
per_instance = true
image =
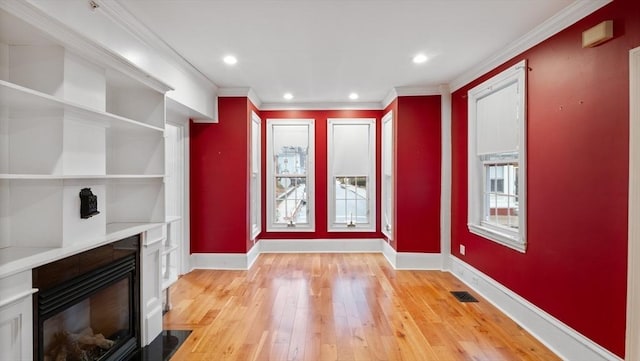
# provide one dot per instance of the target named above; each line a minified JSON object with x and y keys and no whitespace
{"x":87,"y":305}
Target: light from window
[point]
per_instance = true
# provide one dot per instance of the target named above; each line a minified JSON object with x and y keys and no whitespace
{"x":289,"y":146}
{"x":501,"y":203}
{"x":351,"y":163}
{"x":387,"y":175}
{"x":352,"y":201}
{"x":496,"y":158}
{"x":254,"y":186}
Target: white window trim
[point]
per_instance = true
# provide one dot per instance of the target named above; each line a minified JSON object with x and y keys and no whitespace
{"x":516,"y":240}
{"x":310,"y":226}
{"x":256,"y":228}
{"x":371,"y":188}
{"x":387,"y":228}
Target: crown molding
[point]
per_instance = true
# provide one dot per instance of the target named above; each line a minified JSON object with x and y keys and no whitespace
{"x":409,"y":91}
{"x":323,"y":106}
{"x":560,"y":21}
{"x":389,"y":98}
{"x":241,"y":92}
{"x":118,"y":13}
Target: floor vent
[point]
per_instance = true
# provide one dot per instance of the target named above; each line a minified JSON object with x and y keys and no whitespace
{"x":463,"y":296}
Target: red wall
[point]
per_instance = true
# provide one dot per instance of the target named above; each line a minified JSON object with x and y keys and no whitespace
{"x":219,"y":173}
{"x":578,"y":143}
{"x":320,"y":117}
{"x":417,"y":173}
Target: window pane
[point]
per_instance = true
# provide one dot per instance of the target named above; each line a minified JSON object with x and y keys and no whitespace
{"x":291,"y":200}
{"x":501,"y":193}
{"x":290,"y":147}
{"x":351,"y":203}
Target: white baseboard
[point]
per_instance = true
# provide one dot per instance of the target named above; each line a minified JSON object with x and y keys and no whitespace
{"x":560,"y":338}
{"x":242,"y":261}
{"x":371,"y":245}
{"x":412,"y":260}
{"x":253,"y":254}
{"x":222,"y":261}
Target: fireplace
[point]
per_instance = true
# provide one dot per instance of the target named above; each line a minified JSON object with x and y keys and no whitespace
{"x":87,"y":306}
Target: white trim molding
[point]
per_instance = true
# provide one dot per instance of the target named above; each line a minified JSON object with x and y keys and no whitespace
{"x":633,"y":271}
{"x":412,"y":260}
{"x":368,"y":245}
{"x":241,"y":92}
{"x":222,"y":261}
{"x":558,"y":337}
{"x":408,"y":91}
{"x":322,"y":106}
{"x":445,"y":176}
{"x":252,"y":255}
{"x":560,"y":21}
{"x":119,"y":14}
{"x":244,"y":261}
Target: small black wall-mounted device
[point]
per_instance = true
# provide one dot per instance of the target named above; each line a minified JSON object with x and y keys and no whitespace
{"x":88,"y":203}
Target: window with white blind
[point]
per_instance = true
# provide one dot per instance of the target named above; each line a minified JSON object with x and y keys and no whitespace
{"x":290,"y":175}
{"x":497,"y":158}
{"x":254,"y":186}
{"x":387,"y":176}
{"x":351,"y":174}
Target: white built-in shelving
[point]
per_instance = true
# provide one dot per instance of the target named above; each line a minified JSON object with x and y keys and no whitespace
{"x":73,"y":115}
{"x":170,"y":251}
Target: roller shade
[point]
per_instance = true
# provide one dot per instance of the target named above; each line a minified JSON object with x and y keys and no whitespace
{"x":290,"y":136}
{"x":351,"y":149}
{"x":497,"y":126}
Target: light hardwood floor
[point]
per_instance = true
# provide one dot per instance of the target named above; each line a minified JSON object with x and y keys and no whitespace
{"x":339,"y":307}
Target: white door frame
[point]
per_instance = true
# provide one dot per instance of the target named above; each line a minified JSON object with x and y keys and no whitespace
{"x":633,"y":270}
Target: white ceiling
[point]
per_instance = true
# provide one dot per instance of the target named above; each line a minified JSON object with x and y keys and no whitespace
{"x":321,"y":50}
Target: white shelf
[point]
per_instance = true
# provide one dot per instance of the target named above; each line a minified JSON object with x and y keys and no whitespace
{"x":170,"y":278}
{"x":24,"y":100}
{"x":81,"y":176}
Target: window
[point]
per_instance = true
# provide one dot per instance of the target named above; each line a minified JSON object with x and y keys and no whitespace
{"x":497,"y":155}
{"x":351,"y":174}
{"x":387,"y":175}
{"x":290,"y":175}
{"x":254,"y":192}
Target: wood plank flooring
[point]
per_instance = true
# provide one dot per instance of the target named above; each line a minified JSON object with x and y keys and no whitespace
{"x":339,"y":307}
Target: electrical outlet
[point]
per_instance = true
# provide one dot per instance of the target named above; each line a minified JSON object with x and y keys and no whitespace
{"x":462,"y":249}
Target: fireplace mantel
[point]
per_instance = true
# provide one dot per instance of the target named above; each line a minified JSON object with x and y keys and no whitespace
{"x":18,"y":259}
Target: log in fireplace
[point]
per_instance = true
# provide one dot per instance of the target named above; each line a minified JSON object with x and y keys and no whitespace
{"x":87,"y":306}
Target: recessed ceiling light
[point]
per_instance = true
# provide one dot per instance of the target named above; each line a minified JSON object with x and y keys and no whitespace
{"x":230,"y":59}
{"x":420,"y":58}
{"x":288,"y":96}
{"x":353,"y":96}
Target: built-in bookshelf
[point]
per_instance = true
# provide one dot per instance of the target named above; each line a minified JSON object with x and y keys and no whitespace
{"x":73,"y":115}
{"x":76,"y":115}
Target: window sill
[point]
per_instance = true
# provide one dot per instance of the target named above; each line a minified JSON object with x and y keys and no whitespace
{"x":513,"y":242}
{"x":284,"y":228}
{"x":344,"y":228}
